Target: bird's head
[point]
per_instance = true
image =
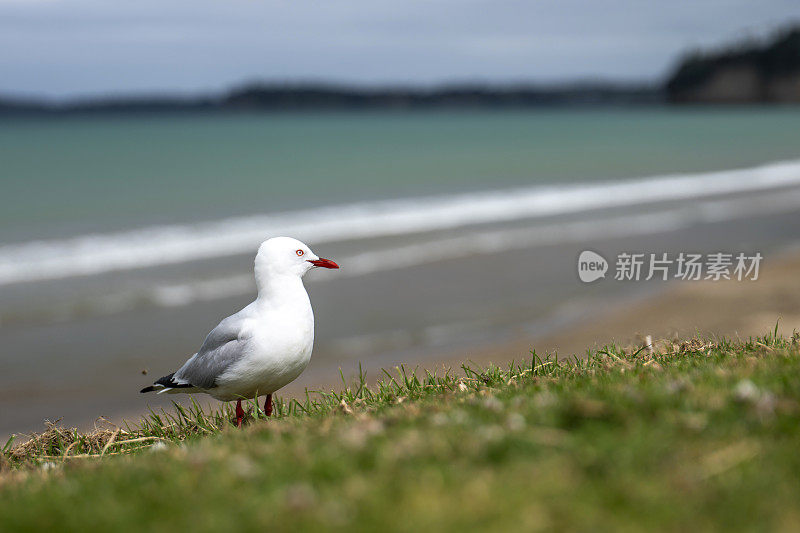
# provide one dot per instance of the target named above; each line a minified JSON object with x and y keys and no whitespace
{"x":286,"y":256}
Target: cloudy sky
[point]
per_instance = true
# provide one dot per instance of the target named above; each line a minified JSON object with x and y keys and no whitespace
{"x":66,"y":48}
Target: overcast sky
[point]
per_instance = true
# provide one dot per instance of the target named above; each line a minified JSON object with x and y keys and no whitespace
{"x":64,"y":48}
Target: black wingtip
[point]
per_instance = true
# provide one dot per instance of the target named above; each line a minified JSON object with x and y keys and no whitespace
{"x":165,"y":383}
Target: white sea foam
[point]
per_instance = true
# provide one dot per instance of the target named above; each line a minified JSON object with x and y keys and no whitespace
{"x":154,"y":246}
{"x":496,"y":241}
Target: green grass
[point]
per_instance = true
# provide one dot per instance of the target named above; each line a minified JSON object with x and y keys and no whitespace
{"x":696,"y":436}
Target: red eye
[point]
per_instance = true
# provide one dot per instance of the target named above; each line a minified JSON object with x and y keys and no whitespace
{"x":299,"y":252}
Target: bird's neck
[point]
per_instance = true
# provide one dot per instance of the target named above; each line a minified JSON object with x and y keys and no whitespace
{"x":281,"y":289}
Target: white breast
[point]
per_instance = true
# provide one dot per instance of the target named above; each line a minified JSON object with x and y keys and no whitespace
{"x":279,"y":349}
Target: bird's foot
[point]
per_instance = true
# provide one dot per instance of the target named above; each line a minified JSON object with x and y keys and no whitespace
{"x":239,"y":413}
{"x":268,"y":405}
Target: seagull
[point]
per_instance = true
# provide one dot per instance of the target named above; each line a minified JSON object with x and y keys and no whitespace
{"x":264,"y":346}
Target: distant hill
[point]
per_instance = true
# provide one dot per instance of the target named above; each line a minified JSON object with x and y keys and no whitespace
{"x":746,"y":73}
{"x":274,"y":97}
{"x":462,"y":96}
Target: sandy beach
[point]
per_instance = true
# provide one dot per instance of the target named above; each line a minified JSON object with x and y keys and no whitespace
{"x":729,"y":309}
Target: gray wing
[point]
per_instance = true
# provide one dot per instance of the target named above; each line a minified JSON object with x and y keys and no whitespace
{"x":222,"y":347}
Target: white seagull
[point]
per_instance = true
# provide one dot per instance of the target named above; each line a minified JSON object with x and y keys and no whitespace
{"x":264,"y":346}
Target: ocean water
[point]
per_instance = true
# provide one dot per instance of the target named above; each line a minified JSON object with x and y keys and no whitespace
{"x":123,"y":239}
{"x":67,"y":176}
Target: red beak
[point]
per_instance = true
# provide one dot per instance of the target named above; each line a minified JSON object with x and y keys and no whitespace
{"x":322,"y":262}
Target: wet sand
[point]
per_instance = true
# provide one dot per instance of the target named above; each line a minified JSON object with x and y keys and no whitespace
{"x":731,"y":309}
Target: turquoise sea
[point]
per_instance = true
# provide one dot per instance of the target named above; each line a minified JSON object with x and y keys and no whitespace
{"x":69,"y":175}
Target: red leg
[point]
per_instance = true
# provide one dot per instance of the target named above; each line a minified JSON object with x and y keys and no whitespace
{"x":239,"y":413}
{"x":268,"y":405}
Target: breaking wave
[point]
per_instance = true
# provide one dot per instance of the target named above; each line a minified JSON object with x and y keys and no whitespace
{"x":162,"y":245}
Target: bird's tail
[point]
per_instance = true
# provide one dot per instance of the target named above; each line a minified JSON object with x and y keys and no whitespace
{"x":166,"y":384}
